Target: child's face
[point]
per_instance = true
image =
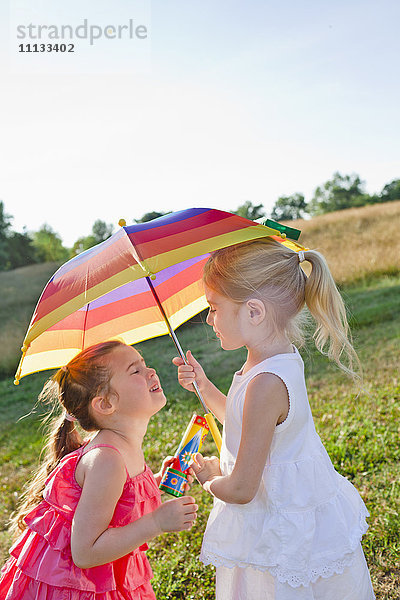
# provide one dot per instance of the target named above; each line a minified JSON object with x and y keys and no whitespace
{"x":137,"y":386}
{"x":227,"y":318}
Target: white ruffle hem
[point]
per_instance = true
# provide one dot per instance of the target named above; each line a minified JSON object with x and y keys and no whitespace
{"x":296,"y":547}
{"x":352,"y":583}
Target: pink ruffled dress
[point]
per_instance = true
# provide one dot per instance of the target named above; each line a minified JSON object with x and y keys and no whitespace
{"x":41,"y":565}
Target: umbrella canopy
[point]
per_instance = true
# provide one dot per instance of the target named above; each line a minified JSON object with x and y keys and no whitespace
{"x":109,"y":291}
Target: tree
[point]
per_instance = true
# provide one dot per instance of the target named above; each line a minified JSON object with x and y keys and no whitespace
{"x":101,"y":231}
{"x":391,"y":191}
{"x":21,"y":250}
{"x":251,"y":211}
{"x":16,"y":249}
{"x":150,"y":216}
{"x":342,"y":191}
{"x":48,"y":245}
{"x":5,"y":222}
{"x":287,"y":208}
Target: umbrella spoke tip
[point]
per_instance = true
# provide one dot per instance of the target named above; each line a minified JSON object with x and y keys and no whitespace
{"x":122,"y":222}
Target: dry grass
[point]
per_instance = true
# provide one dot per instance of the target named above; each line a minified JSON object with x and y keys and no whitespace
{"x":358,"y":243}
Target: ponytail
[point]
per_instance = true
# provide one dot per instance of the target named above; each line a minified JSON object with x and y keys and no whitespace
{"x":71,"y":389}
{"x":332,"y":336}
{"x":63,"y":437}
{"x":266,"y":269}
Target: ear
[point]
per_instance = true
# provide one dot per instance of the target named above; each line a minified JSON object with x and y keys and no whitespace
{"x":255,"y":310}
{"x":102,"y":405}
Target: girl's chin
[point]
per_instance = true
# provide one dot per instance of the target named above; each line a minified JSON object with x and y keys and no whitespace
{"x":162,"y":400}
{"x":229,"y":346}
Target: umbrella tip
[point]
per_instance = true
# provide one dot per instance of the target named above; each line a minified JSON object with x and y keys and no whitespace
{"x":122,"y":222}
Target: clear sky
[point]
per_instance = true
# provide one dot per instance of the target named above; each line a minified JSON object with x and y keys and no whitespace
{"x":224,"y":101}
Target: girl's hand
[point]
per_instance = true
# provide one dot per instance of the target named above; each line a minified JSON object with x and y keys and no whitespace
{"x":167,"y":462}
{"x":187,"y":373}
{"x":206,"y":469}
{"x":190,"y":479}
{"x":177,"y":514}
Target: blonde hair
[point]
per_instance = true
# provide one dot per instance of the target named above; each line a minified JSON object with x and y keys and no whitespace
{"x":266,"y":269}
{"x":71,"y":388}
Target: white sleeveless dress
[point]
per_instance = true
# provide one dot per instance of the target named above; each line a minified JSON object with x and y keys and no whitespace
{"x":299,"y":538}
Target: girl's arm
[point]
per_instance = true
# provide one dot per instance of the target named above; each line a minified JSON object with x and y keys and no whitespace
{"x":187,"y":373}
{"x":265,"y":405}
{"x":92,"y":543}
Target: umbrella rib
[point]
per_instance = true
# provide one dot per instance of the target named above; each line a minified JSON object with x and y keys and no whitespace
{"x":174,"y":338}
{"x":84,"y":326}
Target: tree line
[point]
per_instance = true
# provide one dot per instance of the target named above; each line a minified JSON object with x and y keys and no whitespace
{"x":44,"y":245}
{"x":338,"y":193}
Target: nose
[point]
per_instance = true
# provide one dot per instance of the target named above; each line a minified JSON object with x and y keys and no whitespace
{"x":151,"y":372}
{"x":209,"y":317}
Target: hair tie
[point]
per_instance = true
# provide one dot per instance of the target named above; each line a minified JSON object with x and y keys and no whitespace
{"x":70,"y":418}
{"x":301,"y":256}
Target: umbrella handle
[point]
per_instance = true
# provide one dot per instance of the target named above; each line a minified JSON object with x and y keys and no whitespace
{"x":214,"y":430}
{"x":208,"y":416}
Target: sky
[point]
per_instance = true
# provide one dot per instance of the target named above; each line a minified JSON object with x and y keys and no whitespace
{"x":221,"y":103}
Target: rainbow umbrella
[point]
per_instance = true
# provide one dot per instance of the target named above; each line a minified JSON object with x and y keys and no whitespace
{"x":142,"y":282}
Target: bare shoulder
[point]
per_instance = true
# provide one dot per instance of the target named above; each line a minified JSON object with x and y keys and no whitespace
{"x":101,"y":464}
{"x":268,"y":382}
{"x":267,"y":389}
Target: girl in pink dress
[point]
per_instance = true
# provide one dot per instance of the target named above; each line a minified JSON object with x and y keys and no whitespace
{"x":91,"y":508}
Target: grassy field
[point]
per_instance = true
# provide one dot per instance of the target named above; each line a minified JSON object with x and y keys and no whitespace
{"x":360,"y":428}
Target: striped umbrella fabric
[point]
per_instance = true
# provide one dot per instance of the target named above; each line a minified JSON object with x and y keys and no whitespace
{"x":104,"y":293}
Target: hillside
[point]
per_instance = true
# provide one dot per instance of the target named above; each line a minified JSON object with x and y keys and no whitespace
{"x":19,"y":292}
{"x":358,"y":243}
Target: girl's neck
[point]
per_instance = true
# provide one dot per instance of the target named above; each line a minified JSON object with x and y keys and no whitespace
{"x":266,"y":349}
{"x":128,"y":440}
{"x":129,"y":445}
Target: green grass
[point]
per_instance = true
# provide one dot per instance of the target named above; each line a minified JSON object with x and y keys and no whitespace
{"x":359,"y":428}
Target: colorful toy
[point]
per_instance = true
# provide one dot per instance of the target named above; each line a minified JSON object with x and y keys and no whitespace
{"x":175,"y":477}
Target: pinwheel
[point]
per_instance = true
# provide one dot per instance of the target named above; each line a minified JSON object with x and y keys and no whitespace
{"x":142,"y":282}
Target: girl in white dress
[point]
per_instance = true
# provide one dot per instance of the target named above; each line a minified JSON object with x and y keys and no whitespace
{"x":285,"y":525}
